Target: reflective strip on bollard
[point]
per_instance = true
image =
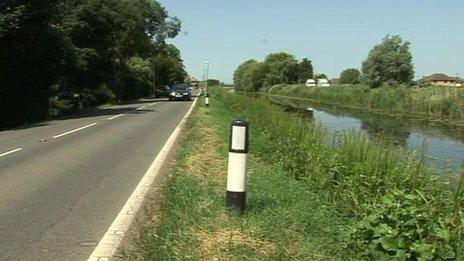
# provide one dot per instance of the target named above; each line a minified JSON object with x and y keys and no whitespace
{"x":237,"y":166}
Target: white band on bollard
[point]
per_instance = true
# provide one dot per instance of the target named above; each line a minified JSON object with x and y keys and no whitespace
{"x":237,"y":166}
{"x":236,"y":173}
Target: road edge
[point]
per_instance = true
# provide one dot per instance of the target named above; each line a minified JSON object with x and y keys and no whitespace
{"x":108,"y":246}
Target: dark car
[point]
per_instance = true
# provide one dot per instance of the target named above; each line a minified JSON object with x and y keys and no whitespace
{"x":162,"y":91}
{"x":180,"y":92}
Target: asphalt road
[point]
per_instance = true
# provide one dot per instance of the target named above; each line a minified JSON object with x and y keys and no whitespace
{"x":63,"y":182}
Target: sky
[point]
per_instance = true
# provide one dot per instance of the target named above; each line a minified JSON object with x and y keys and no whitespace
{"x":334,"y":34}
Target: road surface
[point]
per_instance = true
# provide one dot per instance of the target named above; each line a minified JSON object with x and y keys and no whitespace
{"x":63,"y":182}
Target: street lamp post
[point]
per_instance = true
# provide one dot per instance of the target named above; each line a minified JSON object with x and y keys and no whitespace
{"x":206,"y":75}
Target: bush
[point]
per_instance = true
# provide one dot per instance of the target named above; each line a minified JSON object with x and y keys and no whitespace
{"x":403,"y":226}
{"x":104,"y":94}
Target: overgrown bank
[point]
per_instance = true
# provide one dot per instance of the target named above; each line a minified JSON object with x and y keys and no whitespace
{"x":439,"y":103}
{"x":306,"y":200}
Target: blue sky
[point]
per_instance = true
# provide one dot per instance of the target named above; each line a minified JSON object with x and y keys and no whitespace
{"x":334,"y":34}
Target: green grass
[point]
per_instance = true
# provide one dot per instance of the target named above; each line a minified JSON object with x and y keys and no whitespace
{"x":440,"y":103}
{"x":307,"y":199}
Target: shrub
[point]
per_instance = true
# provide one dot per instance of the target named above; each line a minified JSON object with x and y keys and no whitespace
{"x":104,"y":94}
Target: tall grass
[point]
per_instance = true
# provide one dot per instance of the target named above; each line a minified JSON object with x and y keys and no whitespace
{"x":446,"y":104}
{"x":400,"y":208}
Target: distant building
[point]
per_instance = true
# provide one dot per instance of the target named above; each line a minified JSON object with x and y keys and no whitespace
{"x":441,"y":79}
{"x":311,"y":83}
{"x":323,"y":83}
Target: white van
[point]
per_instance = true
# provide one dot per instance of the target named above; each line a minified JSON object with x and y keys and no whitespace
{"x":310,"y":83}
{"x":323,"y":83}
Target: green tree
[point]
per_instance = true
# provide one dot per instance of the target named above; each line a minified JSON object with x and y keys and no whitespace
{"x":280,"y":68}
{"x":389,"y":63}
{"x":242,"y":75}
{"x":320,"y":76}
{"x":169,"y":65}
{"x":213,"y":82}
{"x":108,"y":33}
{"x":34,"y":52}
{"x":305,"y":70}
{"x":350,"y":76}
{"x":92,"y":48}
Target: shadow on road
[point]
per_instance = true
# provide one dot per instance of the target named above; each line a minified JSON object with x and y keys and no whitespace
{"x":121,"y":108}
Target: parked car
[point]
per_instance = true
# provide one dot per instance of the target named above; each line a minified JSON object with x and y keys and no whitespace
{"x":162,"y":91}
{"x":180,"y":91}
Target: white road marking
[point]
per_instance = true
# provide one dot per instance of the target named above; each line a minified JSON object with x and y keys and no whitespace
{"x":116,"y":116}
{"x":108,"y":245}
{"x":78,"y":129}
{"x":151,"y":104}
{"x":10,"y":152}
{"x":141,"y":108}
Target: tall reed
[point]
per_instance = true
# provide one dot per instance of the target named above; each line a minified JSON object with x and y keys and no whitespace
{"x":446,"y":104}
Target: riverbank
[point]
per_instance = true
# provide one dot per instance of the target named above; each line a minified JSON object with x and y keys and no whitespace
{"x":441,"y":145}
{"x":434,"y":103}
{"x":306,"y":199}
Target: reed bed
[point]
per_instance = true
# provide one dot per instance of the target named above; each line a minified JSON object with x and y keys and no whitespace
{"x":440,"y":103}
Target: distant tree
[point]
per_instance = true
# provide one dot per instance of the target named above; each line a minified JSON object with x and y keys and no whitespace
{"x":255,"y":77}
{"x":249,"y":76}
{"x":320,"y":76}
{"x":169,"y":66}
{"x":389,"y":63}
{"x":213,"y":82}
{"x":280,"y":68}
{"x":350,"y":76}
{"x":240,"y":82}
{"x":305,"y":70}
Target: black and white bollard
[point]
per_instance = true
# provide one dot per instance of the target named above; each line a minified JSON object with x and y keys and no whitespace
{"x":310,"y":112}
{"x":237,"y":168}
{"x":207,"y":99}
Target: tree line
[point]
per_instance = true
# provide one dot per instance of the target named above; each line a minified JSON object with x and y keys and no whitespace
{"x":67,"y":55}
{"x":388,"y":64}
{"x":277,"y":68}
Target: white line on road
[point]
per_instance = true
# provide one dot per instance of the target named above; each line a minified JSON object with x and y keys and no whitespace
{"x":108,"y":246}
{"x":116,"y":116}
{"x":78,"y":129}
{"x":10,"y":152}
{"x":141,"y":108}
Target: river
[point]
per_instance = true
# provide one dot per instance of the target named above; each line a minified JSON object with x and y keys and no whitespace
{"x":443,"y":145}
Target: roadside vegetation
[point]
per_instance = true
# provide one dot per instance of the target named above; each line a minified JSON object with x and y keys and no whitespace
{"x":307,"y":198}
{"x":383,"y":85}
{"x":389,"y":63}
{"x":277,"y":68}
{"x":58,"y":57}
{"x":436,"y":103}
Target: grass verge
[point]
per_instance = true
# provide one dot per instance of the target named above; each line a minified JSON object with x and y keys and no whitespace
{"x":307,"y":200}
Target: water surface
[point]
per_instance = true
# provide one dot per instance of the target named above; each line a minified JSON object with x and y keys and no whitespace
{"x":443,"y":145}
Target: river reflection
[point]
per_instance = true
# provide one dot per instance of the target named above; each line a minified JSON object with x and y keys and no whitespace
{"x":443,"y":144}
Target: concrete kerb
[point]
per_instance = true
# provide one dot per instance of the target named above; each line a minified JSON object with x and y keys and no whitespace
{"x":107,"y":248}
